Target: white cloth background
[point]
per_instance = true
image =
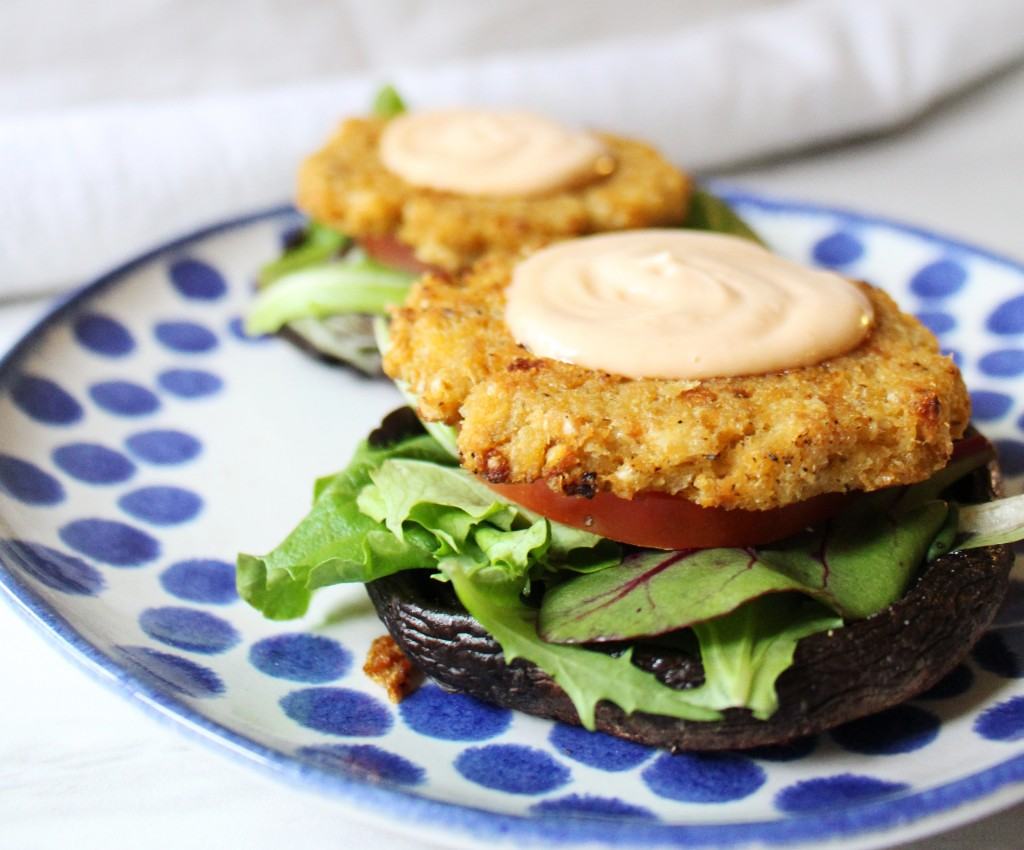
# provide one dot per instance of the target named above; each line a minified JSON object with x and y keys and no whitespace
{"x":145,"y":119}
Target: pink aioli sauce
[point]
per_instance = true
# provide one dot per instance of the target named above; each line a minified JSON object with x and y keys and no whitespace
{"x":681,"y":304}
{"x":476,"y":152}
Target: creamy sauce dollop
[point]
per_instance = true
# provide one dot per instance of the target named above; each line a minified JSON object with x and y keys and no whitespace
{"x":477,"y":152}
{"x":681,"y":304}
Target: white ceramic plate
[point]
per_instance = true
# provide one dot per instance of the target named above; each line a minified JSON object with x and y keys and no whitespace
{"x":145,"y":441}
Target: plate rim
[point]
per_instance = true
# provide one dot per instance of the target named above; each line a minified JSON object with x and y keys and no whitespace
{"x":952,"y":800}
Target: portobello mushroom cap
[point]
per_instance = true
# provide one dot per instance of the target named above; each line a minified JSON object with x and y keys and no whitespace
{"x":836,"y":676}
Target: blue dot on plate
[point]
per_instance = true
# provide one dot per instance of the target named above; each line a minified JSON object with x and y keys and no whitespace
{"x":512,"y":768}
{"x":834,"y":792}
{"x":161,"y":505}
{"x":110,"y":542}
{"x":363,"y":762}
{"x":54,"y":569}
{"x":587,"y":806}
{"x":937,"y":322}
{"x":201,"y":580}
{"x":103,"y":335}
{"x":27,"y":483}
{"x":987,"y":405}
{"x":1011,"y":455}
{"x":704,"y":778}
{"x":337,"y":711}
{"x":93,"y":463}
{"x":955,"y":683}
{"x":1001,"y":651}
{"x":597,"y":749}
{"x":186,"y":337}
{"x":190,"y":383}
{"x":1002,"y":722}
{"x":197,"y":280}
{"x":164,"y":447}
{"x":1008,"y":318}
{"x":452,"y":716}
{"x":45,"y":401}
{"x":1004,"y":363}
{"x":186,"y":628}
{"x":895,"y":731}
{"x":301,"y":658}
{"x":124,"y":398}
{"x":939,"y":280}
{"x":837,"y":249}
{"x":170,"y":673}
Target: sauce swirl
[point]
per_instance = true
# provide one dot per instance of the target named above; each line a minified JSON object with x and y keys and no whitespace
{"x":477,"y":152}
{"x":681,"y":304}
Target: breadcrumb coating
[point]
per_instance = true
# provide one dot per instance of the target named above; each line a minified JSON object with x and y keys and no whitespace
{"x":344,"y":185}
{"x":883,"y":414}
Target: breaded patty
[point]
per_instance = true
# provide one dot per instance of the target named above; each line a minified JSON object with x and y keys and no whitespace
{"x":885,"y":413}
{"x":345,"y":186}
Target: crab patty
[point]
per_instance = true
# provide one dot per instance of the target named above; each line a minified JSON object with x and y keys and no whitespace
{"x":885,"y":413}
{"x":346,"y":186}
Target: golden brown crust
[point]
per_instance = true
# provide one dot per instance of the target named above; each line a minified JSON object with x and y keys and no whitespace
{"x":883,"y":414}
{"x":346,"y":186}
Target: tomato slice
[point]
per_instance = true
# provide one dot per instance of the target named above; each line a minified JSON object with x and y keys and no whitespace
{"x":661,"y":521}
{"x":390,"y":252}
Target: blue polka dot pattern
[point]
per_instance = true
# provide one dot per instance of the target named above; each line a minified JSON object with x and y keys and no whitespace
{"x":363,"y":762}
{"x":596,"y":749}
{"x":201,"y":580}
{"x":1008,"y":318}
{"x":103,"y":335}
{"x":236,"y":327}
{"x":55,"y":569}
{"x":301,"y":657}
{"x":708,"y":778}
{"x":185,"y":628}
{"x":1003,"y":721}
{"x":93,"y":463}
{"x":124,"y":398}
{"x":937,"y":322}
{"x":166,"y":672}
{"x":161,"y":505}
{"x":190,"y":383}
{"x":164,"y":447}
{"x":940,"y":279}
{"x":45,"y":401}
{"x":838,"y":249}
{"x":452,"y":717}
{"x":834,"y":792}
{"x":988,"y":405}
{"x":512,"y":768}
{"x":110,"y":542}
{"x":27,"y":483}
{"x":186,"y":337}
{"x":197,"y":280}
{"x":1003,"y":363}
{"x":895,"y":731}
{"x":338,"y":711}
{"x":601,"y":807}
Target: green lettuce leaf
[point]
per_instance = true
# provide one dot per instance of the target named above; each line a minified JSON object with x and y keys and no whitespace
{"x":407,"y":506}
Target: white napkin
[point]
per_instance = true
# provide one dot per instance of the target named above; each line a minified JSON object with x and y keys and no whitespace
{"x":82,"y":189}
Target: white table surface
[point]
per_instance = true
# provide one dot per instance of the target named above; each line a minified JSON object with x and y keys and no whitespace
{"x":81,"y":767}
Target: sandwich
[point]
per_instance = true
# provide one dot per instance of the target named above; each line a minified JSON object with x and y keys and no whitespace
{"x":686,"y":544}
